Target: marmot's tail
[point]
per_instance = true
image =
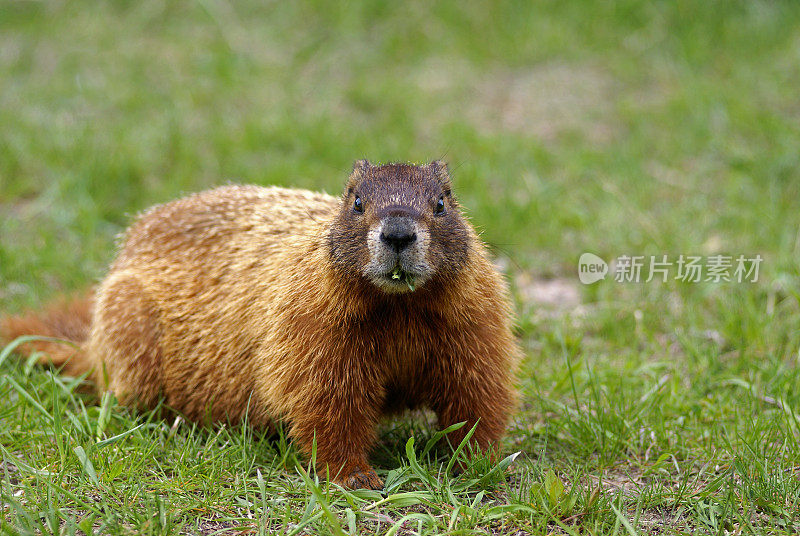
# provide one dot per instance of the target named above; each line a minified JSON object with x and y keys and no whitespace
{"x":67,"y":320}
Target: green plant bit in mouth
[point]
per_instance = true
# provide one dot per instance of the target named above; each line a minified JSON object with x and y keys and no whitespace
{"x":399,"y":275}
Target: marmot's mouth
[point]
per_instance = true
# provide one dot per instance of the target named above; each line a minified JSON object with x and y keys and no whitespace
{"x":401,"y":276}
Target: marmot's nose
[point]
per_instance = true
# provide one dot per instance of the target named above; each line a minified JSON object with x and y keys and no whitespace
{"x":398,"y":237}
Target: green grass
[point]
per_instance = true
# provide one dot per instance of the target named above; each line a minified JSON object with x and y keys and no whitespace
{"x":618,"y":128}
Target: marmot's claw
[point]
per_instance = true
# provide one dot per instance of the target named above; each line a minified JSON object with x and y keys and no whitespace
{"x":358,"y":479}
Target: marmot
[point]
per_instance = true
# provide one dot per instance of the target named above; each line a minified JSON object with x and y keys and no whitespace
{"x":325,"y":313}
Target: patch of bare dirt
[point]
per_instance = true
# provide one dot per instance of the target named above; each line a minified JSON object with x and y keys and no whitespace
{"x":548,"y":296}
{"x":546,"y":102}
{"x":559,"y":294}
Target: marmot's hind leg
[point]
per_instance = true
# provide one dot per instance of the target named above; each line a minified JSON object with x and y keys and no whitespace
{"x":124,"y":341}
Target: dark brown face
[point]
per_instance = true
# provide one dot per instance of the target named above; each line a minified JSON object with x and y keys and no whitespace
{"x":399,"y":226}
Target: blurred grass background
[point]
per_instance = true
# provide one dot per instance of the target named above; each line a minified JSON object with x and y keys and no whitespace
{"x":620,"y":128}
{"x":641,"y":127}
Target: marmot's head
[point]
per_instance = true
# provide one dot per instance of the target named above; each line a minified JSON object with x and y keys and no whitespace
{"x":399,"y":226}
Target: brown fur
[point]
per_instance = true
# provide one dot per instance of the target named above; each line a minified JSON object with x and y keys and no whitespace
{"x":67,"y":320}
{"x":249,"y":299}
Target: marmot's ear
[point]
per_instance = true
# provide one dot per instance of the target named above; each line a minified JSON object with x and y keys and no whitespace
{"x":438,"y":166}
{"x":360,"y":167}
{"x":440,"y":171}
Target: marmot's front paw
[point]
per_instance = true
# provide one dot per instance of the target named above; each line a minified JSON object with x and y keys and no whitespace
{"x":359,"y":479}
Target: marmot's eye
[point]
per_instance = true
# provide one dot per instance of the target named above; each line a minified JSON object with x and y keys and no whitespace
{"x":358,"y":206}
{"x":439,"y":206}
